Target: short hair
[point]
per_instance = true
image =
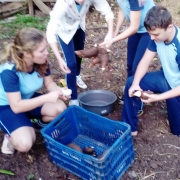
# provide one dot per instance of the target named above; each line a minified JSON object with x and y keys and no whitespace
{"x":27,"y":39}
{"x":157,"y":17}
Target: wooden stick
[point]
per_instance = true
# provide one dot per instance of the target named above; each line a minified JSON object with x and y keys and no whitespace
{"x":30,"y":6}
{"x":95,"y":28}
{"x":10,"y":13}
{"x":170,"y":145}
{"x":45,"y":9}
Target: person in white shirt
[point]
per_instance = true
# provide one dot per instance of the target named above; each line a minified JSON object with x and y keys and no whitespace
{"x":67,"y":25}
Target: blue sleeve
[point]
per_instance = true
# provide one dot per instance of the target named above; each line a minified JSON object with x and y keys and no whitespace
{"x":152,"y":46}
{"x":134,"y":5}
{"x":10,"y":81}
{"x":178,"y":60}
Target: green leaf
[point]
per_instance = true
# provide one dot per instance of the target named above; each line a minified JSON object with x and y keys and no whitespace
{"x":3,"y":171}
{"x":31,"y":176}
{"x":82,"y":60}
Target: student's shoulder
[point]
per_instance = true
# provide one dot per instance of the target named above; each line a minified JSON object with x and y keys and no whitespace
{"x":176,"y":40}
{"x":178,"y":32}
{"x":135,"y":5}
{"x":7,"y":66}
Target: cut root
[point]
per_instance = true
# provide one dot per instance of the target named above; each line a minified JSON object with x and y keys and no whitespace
{"x":137,"y":93}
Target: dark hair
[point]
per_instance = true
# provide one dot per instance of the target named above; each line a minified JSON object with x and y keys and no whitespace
{"x":27,"y":40}
{"x":157,"y":17}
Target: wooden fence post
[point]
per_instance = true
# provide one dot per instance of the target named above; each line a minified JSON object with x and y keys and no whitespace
{"x":30,"y":7}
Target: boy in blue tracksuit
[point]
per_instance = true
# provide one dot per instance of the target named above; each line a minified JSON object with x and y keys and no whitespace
{"x":165,"y":41}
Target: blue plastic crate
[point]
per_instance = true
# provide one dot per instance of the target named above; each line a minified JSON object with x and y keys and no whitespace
{"x":88,"y":129}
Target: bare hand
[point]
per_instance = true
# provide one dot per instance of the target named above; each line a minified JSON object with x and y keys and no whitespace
{"x":134,"y":88}
{"x":64,"y":67}
{"x":106,"y":44}
{"x":63,"y":96}
{"x":53,"y":96}
{"x":107,"y":41}
{"x":150,"y":98}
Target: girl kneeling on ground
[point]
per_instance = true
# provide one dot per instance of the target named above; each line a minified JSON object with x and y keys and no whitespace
{"x":23,"y":70}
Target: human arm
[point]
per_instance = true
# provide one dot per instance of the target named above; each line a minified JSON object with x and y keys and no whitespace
{"x":133,"y":27}
{"x":168,"y":94}
{"x":109,"y":34}
{"x":62,"y":63}
{"x":19,"y":105}
{"x":104,"y":8}
{"x":141,"y":70}
{"x":55,"y":15}
{"x":52,"y":86}
{"x":13,"y":87}
{"x":163,"y":96}
{"x":119,"y":23}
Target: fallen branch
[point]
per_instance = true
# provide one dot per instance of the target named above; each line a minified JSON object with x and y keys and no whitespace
{"x":148,"y":155}
{"x":95,"y":28}
{"x":165,"y":153}
{"x":170,"y":145}
{"x":44,"y":8}
{"x":10,"y":13}
{"x":152,"y":174}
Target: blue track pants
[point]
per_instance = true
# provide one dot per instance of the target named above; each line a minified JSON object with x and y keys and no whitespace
{"x":156,"y":82}
{"x":72,"y":60}
{"x":136,"y":46}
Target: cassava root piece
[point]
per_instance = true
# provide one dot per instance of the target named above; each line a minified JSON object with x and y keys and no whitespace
{"x":99,"y":55}
{"x":141,"y":95}
{"x":74,"y":146}
{"x":66,"y":92}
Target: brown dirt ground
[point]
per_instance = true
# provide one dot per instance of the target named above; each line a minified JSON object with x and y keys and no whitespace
{"x":157,"y":150}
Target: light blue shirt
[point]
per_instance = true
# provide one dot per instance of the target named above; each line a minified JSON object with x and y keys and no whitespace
{"x":169,"y":55}
{"x":12,"y":80}
{"x":79,"y":7}
{"x":133,"y":5}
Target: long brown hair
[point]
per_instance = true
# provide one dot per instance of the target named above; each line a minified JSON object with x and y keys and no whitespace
{"x":27,"y":40}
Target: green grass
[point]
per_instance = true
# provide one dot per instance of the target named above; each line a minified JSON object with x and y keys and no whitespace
{"x":9,"y":29}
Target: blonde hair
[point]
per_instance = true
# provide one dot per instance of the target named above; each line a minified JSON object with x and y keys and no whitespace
{"x":27,"y":40}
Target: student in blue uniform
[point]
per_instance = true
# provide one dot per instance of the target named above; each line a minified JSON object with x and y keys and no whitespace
{"x":165,"y":41}
{"x":134,"y":11}
{"x":24,"y":70}
{"x":67,"y":25}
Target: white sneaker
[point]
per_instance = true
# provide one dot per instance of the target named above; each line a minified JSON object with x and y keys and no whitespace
{"x":74,"y":102}
{"x":80,"y":82}
{"x":7,"y":147}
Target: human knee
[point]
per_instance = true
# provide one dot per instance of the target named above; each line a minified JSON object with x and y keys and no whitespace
{"x":60,"y":108}
{"x":23,"y":144}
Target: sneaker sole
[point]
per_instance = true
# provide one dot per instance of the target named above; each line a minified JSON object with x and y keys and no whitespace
{"x":6,"y":151}
{"x":81,"y":87}
{"x":121,"y":102}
